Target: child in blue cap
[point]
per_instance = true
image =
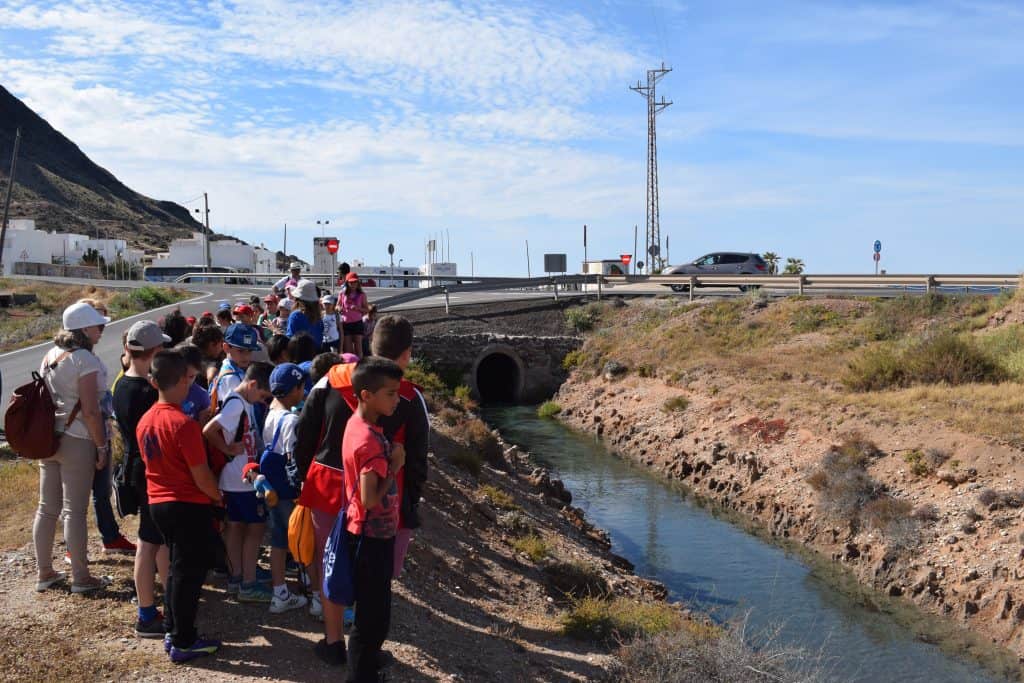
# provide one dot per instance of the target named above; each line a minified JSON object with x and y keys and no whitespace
{"x":287,"y":384}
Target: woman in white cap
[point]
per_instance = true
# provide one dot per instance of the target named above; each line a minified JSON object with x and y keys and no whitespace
{"x":77,"y":380}
{"x":306,"y":316}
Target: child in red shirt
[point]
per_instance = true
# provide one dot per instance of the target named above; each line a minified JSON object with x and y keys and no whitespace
{"x":370,"y":465}
{"x":182,"y":492}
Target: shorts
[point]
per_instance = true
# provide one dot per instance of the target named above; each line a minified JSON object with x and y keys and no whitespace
{"x":148,"y":530}
{"x":279,"y":516}
{"x":245,"y":508}
{"x":353,"y":329}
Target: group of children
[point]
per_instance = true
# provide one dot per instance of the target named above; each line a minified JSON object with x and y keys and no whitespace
{"x":232,"y":431}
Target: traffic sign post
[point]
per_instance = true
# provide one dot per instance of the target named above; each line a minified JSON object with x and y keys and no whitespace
{"x":878,"y":254}
{"x":626,"y":258}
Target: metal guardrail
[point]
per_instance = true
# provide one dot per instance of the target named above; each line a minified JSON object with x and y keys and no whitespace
{"x":492,"y":284}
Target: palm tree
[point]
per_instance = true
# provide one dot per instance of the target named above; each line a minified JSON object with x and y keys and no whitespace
{"x":772,"y":259}
{"x":794,"y":266}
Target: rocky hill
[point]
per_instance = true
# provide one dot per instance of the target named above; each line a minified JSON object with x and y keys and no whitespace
{"x":63,"y":190}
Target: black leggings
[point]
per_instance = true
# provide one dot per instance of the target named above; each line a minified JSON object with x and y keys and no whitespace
{"x":188,"y":531}
{"x":374,"y":564}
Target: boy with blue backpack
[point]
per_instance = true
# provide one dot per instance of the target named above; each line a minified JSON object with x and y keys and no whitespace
{"x":287,"y":384}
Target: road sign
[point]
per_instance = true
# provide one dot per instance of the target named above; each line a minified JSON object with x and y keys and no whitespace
{"x":626,"y":258}
{"x":878,"y":257}
{"x":555,"y":263}
{"x":878,"y":247}
{"x":332,"y":246}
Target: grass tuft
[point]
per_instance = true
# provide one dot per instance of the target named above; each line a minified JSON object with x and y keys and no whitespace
{"x":676,"y":404}
{"x":548,"y":409}
{"x":533,"y":546}
{"x":608,"y":621}
{"x":499,"y":499}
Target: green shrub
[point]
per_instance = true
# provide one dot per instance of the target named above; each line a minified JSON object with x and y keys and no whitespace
{"x":480,"y":441}
{"x":608,"y":621}
{"x":548,"y":409}
{"x":893,"y":318}
{"x":464,"y":397}
{"x":576,"y":579}
{"x":923,"y":463}
{"x":1006,"y":347}
{"x":813,"y":318}
{"x":582,"y":319}
{"x":418,"y":373}
{"x":152,"y":297}
{"x":941,"y":358}
{"x":573,"y":359}
{"x":533,"y":546}
{"x":676,"y":404}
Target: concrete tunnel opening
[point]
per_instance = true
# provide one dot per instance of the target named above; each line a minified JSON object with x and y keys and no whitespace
{"x":498,"y":378}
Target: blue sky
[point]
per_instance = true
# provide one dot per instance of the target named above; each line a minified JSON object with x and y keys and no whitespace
{"x":806,"y":128}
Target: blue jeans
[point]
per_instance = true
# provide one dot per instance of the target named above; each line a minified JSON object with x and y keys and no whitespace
{"x":105,"y":520}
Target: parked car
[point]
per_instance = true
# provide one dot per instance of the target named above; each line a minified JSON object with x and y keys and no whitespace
{"x":720,"y":263}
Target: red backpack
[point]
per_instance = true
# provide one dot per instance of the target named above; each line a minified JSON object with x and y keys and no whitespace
{"x":28,"y":422}
{"x":216,"y":458}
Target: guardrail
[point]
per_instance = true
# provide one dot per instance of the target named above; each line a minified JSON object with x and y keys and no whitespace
{"x":491,"y":285}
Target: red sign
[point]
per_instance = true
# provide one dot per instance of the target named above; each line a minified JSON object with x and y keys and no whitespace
{"x":626,"y":258}
{"x":332,"y":246}
{"x":878,"y":257}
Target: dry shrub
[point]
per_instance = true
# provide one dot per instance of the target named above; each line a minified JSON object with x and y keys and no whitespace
{"x":576,"y":579}
{"x":926,"y":513}
{"x":988,"y":497}
{"x":478,"y":437}
{"x":944,"y":358}
{"x":882,"y":512}
{"x":618,"y":619}
{"x":767,"y":431}
{"x":533,"y":546}
{"x":697,"y":653}
{"x":499,"y":499}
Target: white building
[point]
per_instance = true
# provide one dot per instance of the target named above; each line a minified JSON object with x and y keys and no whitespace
{"x":224,"y":253}
{"x":24,"y":243}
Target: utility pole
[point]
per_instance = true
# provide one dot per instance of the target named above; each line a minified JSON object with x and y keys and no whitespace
{"x":206,"y":222}
{"x":667,"y":259}
{"x":7,"y":199}
{"x":285,"y":246}
{"x":472,"y":272}
{"x":528,"y":259}
{"x":652,"y":247}
{"x":635,"y":259}
{"x":584,"y":247}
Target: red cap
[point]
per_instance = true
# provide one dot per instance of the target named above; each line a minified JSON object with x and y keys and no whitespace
{"x":249,"y":467}
{"x":351,"y":277}
{"x":244,"y":309}
{"x":191,"y":320}
{"x":206,"y":314}
{"x":270,"y":299}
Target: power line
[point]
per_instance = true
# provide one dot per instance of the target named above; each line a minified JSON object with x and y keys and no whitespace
{"x":652,"y":245}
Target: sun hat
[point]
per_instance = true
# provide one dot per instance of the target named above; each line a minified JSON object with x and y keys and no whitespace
{"x":351,"y":277}
{"x":244,"y":309}
{"x":241,"y":336}
{"x":286,"y":304}
{"x":82,"y":315}
{"x":305,"y":290}
{"x":145,"y":335}
{"x":329,"y":299}
{"x":286,"y":377}
{"x":295,"y":266}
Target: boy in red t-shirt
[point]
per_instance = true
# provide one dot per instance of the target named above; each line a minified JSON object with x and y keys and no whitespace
{"x":182,"y":492}
{"x":370,"y":465}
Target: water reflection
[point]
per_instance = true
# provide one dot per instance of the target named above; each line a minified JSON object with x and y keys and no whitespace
{"x":710,"y":563}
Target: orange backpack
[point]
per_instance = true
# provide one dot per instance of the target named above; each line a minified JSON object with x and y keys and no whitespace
{"x":301,"y":537}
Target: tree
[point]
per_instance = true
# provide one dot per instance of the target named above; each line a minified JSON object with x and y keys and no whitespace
{"x":92,"y":257}
{"x":794,"y":266}
{"x":772,"y":259}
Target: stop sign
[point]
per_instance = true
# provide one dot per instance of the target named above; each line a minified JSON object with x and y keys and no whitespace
{"x":626,"y":258}
{"x":332,"y":246}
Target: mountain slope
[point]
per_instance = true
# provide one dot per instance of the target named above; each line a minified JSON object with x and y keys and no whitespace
{"x":62,"y":189}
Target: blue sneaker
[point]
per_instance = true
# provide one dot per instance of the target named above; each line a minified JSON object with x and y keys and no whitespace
{"x":350,"y":617}
{"x":201,"y":648}
{"x":255,"y":592}
{"x":167,"y":643}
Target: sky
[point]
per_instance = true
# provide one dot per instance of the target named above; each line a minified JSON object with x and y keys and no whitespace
{"x":810,"y":129}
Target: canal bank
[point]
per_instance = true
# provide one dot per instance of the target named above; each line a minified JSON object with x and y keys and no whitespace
{"x":706,"y":561}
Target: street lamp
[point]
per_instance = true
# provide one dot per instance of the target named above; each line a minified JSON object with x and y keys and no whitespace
{"x":323,"y":227}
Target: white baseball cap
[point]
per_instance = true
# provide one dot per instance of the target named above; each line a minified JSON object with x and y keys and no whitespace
{"x":305,"y":290}
{"x":81,"y":315}
{"x":145,"y":335}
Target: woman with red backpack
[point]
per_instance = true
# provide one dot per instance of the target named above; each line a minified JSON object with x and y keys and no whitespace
{"x":77,"y":380}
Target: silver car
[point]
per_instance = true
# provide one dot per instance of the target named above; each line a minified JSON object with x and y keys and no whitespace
{"x":720,"y":263}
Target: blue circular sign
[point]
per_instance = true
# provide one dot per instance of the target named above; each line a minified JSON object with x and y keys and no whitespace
{"x":878,"y":246}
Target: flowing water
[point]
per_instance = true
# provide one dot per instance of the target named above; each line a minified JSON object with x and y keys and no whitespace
{"x":714,"y":565}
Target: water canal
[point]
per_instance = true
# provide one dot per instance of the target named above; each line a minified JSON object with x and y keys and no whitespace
{"x":715,"y":565}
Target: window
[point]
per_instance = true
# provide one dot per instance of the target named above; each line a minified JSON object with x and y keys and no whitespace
{"x":733,"y":258}
{"x":706,"y":260}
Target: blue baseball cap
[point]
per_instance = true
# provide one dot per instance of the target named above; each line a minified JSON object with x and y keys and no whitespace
{"x":242,"y":336}
{"x":307,"y":367}
{"x":224,"y":306}
{"x":285,"y":378}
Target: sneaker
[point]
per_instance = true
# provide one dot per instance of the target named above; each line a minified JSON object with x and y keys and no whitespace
{"x":93,"y":584}
{"x":255,"y":592}
{"x":291,"y":569}
{"x":201,"y":648}
{"x":67,"y":559}
{"x":332,"y":655}
{"x":293,"y":601}
{"x":316,"y":609}
{"x":350,"y":617}
{"x":119,"y":546}
{"x":234,"y":586}
{"x":44,"y":584}
{"x":263,"y":575}
{"x":154,"y":628}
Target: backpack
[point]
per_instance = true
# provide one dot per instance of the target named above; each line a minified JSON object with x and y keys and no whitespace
{"x":301,"y":536}
{"x":217,"y":458}
{"x":29,"y":430}
{"x":215,"y":385}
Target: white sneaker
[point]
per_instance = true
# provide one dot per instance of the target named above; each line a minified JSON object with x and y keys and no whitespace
{"x":316,"y":609}
{"x":277,"y":605}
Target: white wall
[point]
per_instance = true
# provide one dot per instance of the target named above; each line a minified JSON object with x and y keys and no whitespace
{"x":24,"y":245}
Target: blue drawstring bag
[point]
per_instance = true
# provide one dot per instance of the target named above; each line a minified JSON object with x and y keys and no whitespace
{"x":339,"y":565}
